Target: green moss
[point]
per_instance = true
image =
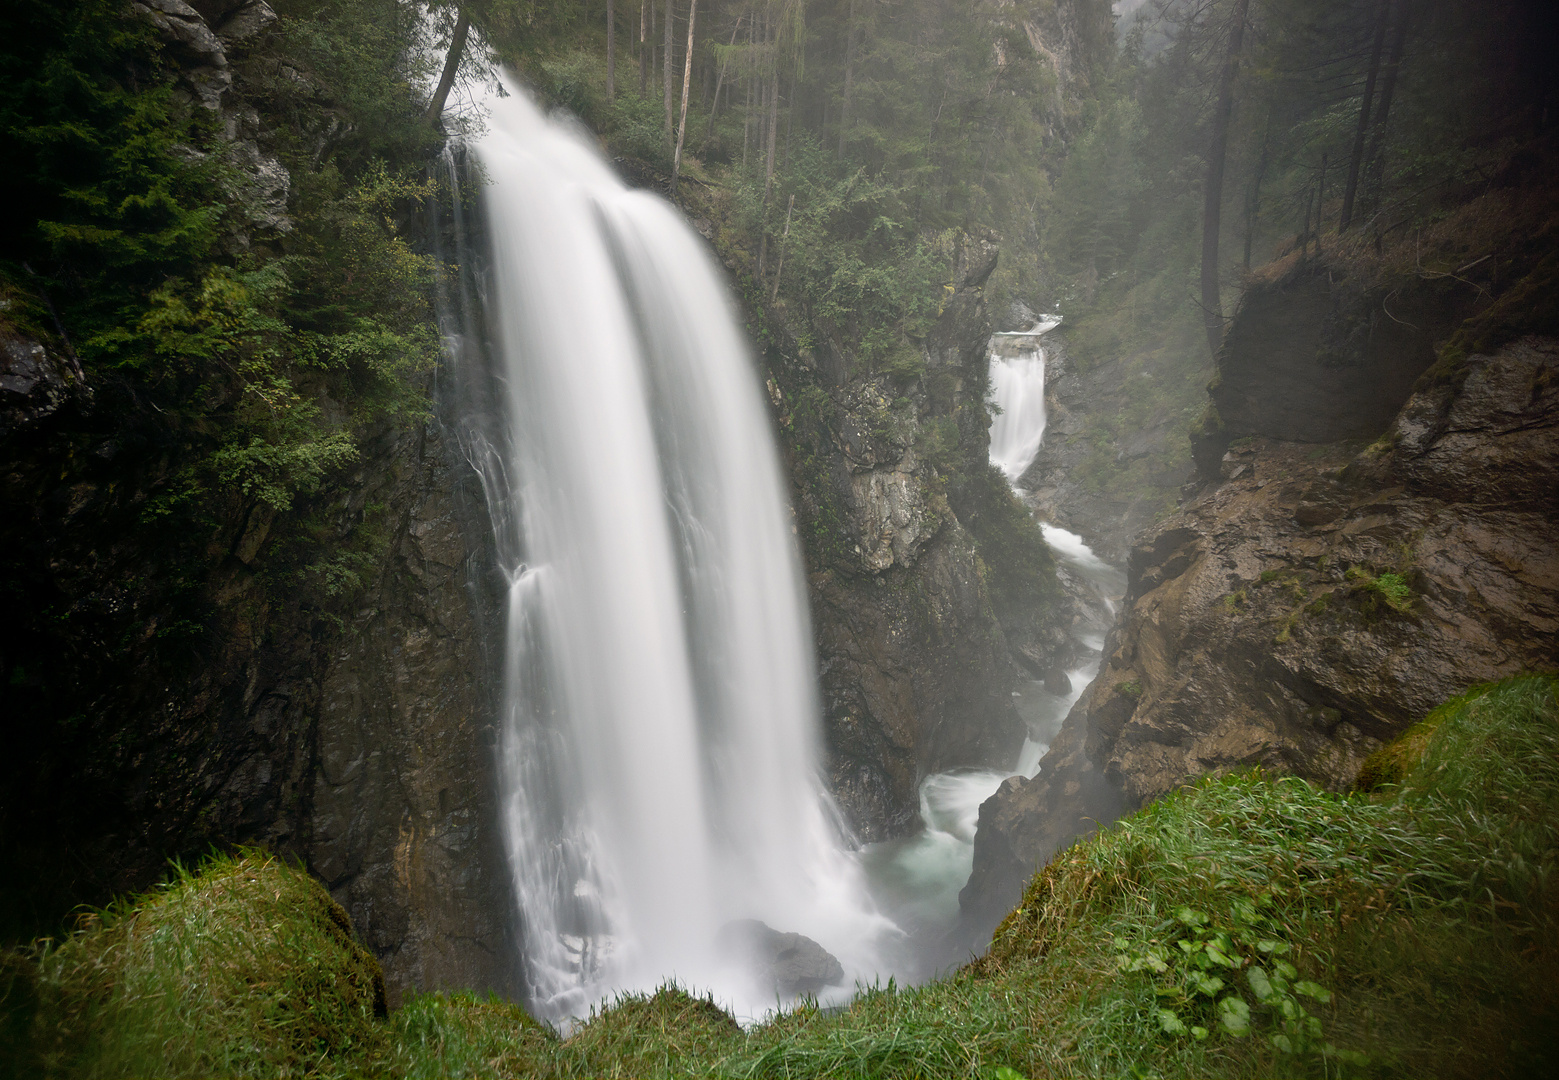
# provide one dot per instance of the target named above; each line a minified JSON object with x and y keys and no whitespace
{"x":245,"y":967}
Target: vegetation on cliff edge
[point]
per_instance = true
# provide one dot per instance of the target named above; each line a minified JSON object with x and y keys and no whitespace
{"x":1242,"y":926}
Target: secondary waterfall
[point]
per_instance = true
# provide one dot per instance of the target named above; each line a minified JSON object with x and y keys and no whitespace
{"x":1018,"y":389}
{"x":660,"y":748}
{"x":918,"y":878}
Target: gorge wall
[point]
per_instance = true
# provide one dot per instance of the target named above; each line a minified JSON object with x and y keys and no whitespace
{"x":182,"y":680}
{"x":929,"y":583}
{"x":1313,"y":598}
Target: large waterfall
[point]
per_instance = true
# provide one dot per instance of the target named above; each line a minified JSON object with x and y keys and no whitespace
{"x":660,"y":748}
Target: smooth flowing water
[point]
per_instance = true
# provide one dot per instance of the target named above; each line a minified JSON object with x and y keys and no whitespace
{"x":660,"y":749}
{"x":917,"y":879}
{"x":1018,"y":389}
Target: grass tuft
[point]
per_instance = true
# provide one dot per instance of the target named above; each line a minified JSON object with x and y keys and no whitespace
{"x":244,"y":968}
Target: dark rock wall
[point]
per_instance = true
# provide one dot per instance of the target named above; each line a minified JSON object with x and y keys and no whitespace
{"x":916,"y":665}
{"x":1313,"y":603}
{"x":1316,"y":355}
{"x":173,"y":695}
{"x":403,"y":823}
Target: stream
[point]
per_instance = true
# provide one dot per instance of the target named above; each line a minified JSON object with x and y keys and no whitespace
{"x":916,"y":879}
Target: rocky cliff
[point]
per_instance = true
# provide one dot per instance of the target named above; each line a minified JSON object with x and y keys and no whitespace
{"x":930,"y":585}
{"x":1311,"y":602}
{"x":312,"y":680}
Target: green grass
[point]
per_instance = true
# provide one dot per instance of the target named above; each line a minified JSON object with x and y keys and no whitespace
{"x":1244,"y":925}
{"x":247,"y":968}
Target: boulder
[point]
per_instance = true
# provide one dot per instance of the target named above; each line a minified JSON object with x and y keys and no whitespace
{"x":789,"y":964}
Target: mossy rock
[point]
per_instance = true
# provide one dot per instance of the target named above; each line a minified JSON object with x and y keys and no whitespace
{"x":244,"y":967}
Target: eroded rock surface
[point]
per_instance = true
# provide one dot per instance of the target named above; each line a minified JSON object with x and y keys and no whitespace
{"x":918,"y":655}
{"x":1313,"y":603}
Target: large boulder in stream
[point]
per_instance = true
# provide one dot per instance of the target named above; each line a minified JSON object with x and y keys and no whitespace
{"x":786,"y":964}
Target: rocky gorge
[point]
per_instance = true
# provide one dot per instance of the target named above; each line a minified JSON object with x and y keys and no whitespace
{"x":1319,"y":589}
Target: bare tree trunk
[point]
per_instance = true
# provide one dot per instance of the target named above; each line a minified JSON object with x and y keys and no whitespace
{"x":714,"y":101}
{"x":1320,"y":203}
{"x":784,"y":242}
{"x":1212,"y":207}
{"x":1356,"y":159}
{"x":1253,"y":200}
{"x":665,"y":69}
{"x":446,"y":81}
{"x":768,"y":169}
{"x":1375,"y":164}
{"x":611,"y":51}
{"x":687,"y":77}
{"x":644,"y":67}
{"x":849,"y":79}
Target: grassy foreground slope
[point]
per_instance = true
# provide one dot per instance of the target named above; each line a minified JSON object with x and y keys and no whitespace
{"x":1243,"y":926}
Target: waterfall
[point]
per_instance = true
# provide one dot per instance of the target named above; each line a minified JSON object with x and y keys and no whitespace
{"x":1018,"y":389}
{"x":660,"y":757}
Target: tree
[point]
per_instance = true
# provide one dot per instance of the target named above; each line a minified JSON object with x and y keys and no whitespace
{"x":687,"y":77}
{"x":1212,"y":208}
{"x":457,"y":48}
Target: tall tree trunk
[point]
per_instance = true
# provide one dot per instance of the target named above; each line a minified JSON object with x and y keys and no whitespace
{"x":1320,"y":203}
{"x":849,"y":80}
{"x":665,"y":68}
{"x":1374,"y":161}
{"x":1356,"y":159}
{"x":611,"y":51}
{"x":714,"y":101}
{"x":1212,"y":207}
{"x":446,"y":81}
{"x":687,"y":78}
{"x":644,"y":67}
{"x":1253,"y":200}
{"x":768,"y":169}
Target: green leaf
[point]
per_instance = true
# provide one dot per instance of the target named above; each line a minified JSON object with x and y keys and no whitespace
{"x":1289,"y":971}
{"x":1205,"y":984}
{"x":1234,"y":1016}
{"x":1198,"y":1033}
{"x":1313,"y":990}
{"x":1282,"y":1043}
{"x":1273,"y":948}
{"x":1004,"y":1072}
{"x":1191,"y":917}
{"x":1170,"y":1023}
{"x":1218,"y":956}
{"x":1257,"y":977}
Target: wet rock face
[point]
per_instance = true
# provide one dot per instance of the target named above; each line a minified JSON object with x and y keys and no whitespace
{"x":1313,"y":604}
{"x":403,"y":825}
{"x":1312,"y":357}
{"x":34,"y":382}
{"x":916,"y":669}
